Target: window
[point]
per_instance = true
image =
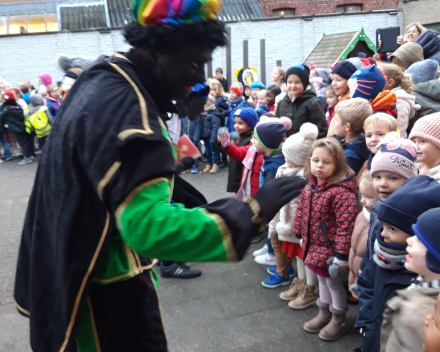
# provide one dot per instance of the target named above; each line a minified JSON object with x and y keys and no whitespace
{"x":45,"y":22}
{"x":3,"y":25}
{"x":349,"y":8}
{"x":17,"y":24}
{"x":283,"y":12}
{"x":36,"y":24}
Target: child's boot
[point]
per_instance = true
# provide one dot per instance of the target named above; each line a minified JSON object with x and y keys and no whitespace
{"x":337,"y":326}
{"x":294,"y":290}
{"x":214,"y":169}
{"x":306,"y":298}
{"x":207,"y":168}
{"x":321,"y":320}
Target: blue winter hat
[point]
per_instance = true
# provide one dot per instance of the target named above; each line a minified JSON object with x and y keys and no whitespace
{"x":345,"y":69}
{"x":415,"y":196}
{"x":423,"y":71}
{"x":302,"y":71}
{"x":427,"y":229}
{"x":272,"y":131}
{"x":249,"y":116}
{"x":257,"y":84}
{"x":367,"y":83}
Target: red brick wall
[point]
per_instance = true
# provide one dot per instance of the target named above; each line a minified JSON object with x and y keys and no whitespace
{"x":320,"y":7}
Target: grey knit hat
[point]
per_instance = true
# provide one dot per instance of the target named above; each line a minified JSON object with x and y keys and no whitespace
{"x":297,"y":147}
{"x":423,"y":71}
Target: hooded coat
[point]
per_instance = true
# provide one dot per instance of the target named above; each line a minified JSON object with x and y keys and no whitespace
{"x":324,"y":219}
{"x":430,"y":42}
{"x":306,"y":108}
{"x":428,"y":97}
{"x":406,"y":109}
{"x":408,"y":53}
{"x":355,"y":151}
{"x":211,"y":124}
{"x":358,"y":245}
{"x":13,"y":117}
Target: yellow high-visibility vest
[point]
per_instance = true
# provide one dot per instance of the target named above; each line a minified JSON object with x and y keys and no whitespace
{"x":27,"y":123}
{"x":40,"y":123}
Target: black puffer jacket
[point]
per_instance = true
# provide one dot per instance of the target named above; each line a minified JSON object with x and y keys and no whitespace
{"x":12,"y":116}
{"x":430,"y":42}
{"x":428,"y":97}
{"x":306,"y":108}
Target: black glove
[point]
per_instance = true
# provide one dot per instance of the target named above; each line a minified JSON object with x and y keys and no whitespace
{"x":276,"y":193}
{"x":187,"y":162}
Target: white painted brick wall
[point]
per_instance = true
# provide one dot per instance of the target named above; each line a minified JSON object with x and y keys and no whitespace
{"x":289,"y":40}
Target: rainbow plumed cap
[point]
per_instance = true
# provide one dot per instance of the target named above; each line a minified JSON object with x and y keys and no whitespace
{"x":174,"y":12}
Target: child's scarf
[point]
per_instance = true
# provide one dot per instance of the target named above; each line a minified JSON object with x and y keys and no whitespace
{"x":248,"y":162}
{"x":389,"y":256}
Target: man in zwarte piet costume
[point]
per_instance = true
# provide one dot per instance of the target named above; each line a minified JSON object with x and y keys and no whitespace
{"x":100,"y":206}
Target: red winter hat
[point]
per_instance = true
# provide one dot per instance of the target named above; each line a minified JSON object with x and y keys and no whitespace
{"x":237,"y":89}
{"x":8,"y":96}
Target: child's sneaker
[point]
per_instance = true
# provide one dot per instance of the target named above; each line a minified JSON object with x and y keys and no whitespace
{"x":260,"y":251}
{"x":25,"y":161}
{"x":273,"y":269}
{"x":194,"y":169}
{"x":266,"y":259}
{"x":276,"y":281}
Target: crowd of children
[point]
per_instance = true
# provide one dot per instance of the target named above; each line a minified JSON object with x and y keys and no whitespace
{"x":366,"y":137}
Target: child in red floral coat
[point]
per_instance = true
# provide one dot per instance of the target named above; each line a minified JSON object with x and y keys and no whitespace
{"x":324,"y":219}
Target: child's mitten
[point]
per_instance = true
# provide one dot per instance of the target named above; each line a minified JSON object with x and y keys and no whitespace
{"x":333,"y":269}
{"x":224,"y":138}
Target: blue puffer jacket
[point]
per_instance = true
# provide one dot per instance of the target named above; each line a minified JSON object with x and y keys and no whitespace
{"x":270,"y":166}
{"x":355,"y":151}
{"x":233,"y":107}
{"x":377,"y":285}
{"x":430,"y":42}
{"x":211,"y":125}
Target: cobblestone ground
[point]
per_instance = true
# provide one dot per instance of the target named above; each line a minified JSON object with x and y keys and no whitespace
{"x":226,"y":309}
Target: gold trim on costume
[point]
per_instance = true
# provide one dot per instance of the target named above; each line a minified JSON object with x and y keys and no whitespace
{"x":132,"y":273}
{"x":83,"y":284}
{"x":92,"y":320}
{"x":231,"y":254}
{"x":24,"y":311}
{"x":133,"y":193}
{"x":108,"y":176}
{"x":143,"y":105}
{"x":121,"y":57}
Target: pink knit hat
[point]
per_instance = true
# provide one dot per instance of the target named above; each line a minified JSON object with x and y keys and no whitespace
{"x":46,"y":78}
{"x":428,"y":127}
{"x":396,"y":155}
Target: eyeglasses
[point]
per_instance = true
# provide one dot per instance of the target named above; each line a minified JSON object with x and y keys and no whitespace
{"x":316,"y":161}
{"x":414,"y":31}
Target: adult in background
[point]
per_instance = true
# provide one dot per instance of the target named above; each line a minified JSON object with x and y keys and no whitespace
{"x":100,"y":205}
{"x":413,"y":30}
{"x":221,"y":79}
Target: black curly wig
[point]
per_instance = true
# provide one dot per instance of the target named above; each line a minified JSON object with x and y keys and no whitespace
{"x":161,"y":38}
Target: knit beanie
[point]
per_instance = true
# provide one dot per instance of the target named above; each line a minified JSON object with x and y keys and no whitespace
{"x":395,"y":155}
{"x":46,"y":78}
{"x":37,"y":100}
{"x":356,"y":61}
{"x":8,"y":96}
{"x":257,"y":84}
{"x":413,"y":198}
{"x":271,"y":132}
{"x":427,"y":127}
{"x":302,"y":71}
{"x":423,"y":71}
{"x":237,"y":89}
{"x":249,"y":116}
{"x":297,"y":147}
{"x":345,"y":69}
{"x":427,"y":229}
{"x":367,"y":83}
{"x":361,"y":54}
{"x":408,"y":53}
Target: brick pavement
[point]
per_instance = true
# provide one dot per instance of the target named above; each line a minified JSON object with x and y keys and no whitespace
{"x":226,"y":309}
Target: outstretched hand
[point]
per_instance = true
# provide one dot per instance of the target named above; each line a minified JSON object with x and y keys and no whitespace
{"x":276,"y":193}
{"x":224,"y":139}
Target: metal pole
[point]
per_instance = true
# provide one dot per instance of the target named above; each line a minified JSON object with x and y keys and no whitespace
{"x":229,"y":57}
{"x":209,"y":69}
{"x":263,"y":60}
{"x":245,"y":54}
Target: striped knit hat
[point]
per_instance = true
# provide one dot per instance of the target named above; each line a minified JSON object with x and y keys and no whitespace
{"x":428,"y":127}
{"x":396,"y":155}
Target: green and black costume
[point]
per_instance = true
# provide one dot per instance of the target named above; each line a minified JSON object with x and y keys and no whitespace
{"x":100,"y":208}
